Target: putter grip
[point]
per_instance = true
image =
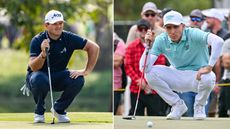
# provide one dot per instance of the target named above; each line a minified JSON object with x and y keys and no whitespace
{"x":47,"y":56}
{"x":148,"y":43}
{"x":46,"y":49}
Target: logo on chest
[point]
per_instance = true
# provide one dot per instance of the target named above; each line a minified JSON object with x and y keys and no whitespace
{"x":186,"y":47}
{"x":63,"y":50}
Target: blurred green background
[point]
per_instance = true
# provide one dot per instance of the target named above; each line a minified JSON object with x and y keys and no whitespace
{"x":20,"y":20}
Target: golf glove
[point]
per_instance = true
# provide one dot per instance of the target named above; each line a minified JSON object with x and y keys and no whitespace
{"x":25,"y":90}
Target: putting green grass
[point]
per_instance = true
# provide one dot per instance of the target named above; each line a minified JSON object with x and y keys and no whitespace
{"x":79,"y":120}
{"x":162,"y":123}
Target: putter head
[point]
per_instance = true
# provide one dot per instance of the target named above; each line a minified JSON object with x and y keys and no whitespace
{"x":129,"y":117}
{"x":52,"y":122}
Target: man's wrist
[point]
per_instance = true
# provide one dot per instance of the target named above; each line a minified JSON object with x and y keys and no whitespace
{"x":42,"y":56}
{"x":209,"y":67}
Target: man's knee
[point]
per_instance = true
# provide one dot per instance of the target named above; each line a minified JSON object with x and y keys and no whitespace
{"x":78,"y":83}
{"x":39,"y":80}
{"x":208,"y":81}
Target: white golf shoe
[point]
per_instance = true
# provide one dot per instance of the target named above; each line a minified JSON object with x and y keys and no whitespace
{"x":199,"y":112}
{"x":39,"y":118}
{"x":228,"y":112}
{"x":177,"y":111}
{"x":61,"y":118}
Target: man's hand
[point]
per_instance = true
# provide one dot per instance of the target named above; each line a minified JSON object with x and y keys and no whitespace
{"x":216,"y":89}
{"x":144,"y":86}
{"x":75,"y":73}
{"x":139,"y":83}
{"x":44,"y":45}
{"x":203,"y":70}
{"x":149,"y":37}
{"x":226,"y":60}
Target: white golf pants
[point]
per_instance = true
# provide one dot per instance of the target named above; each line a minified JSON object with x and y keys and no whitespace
{"x":165,"y":80}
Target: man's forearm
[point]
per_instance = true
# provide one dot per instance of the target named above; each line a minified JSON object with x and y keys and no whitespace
{"x":36,"y":63}
{"x":216,"y":43}
{"x":93,"y":52}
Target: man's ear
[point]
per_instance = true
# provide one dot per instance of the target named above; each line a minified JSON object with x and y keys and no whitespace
{"x":46,"y":24}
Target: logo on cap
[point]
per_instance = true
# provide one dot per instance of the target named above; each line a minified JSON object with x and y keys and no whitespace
{"x":56,"y":15}
{"x":169,"y":17}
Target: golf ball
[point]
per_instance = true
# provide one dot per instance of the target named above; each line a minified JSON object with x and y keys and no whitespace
{"x":149,"y":124}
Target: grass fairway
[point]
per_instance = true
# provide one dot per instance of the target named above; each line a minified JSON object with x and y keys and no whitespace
{"x":79,"y":120}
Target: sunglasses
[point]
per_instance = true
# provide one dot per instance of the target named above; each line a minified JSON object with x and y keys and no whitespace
{"x":150,"y":14}
{"x":141,"y":28}
{"x":197,"y":19}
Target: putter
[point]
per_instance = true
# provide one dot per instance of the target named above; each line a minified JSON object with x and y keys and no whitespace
{"x":49,"y":75}
{"x":139,"y":90}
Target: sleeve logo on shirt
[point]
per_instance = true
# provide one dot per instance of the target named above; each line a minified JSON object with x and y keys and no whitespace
{"x":33,"y":54}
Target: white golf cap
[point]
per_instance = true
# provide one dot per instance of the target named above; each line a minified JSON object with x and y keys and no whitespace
{"x":53,"y":16}
{"x":214,"y":13}
{"x":149,"y":6}
{"x":173,"y":17}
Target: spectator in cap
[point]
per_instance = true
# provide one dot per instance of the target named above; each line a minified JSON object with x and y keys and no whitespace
{"x":187,"y":51}
{"x":149,"y":13}
{"x":61,"y":45}
{"x":214,"y":19}
{"x":196,"y":18}
{"x":149,"y":99}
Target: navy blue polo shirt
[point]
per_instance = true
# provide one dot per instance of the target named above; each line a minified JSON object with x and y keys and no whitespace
{"x":60,"y":50}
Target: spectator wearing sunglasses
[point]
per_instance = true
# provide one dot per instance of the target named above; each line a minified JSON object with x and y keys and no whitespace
{"x":196,"y":18}
{"x":149,"y":99}
{"x":149,"y":12}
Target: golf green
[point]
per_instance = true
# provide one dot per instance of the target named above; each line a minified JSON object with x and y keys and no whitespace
{"x":162,"y":123}
{"x":79,"y":120}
